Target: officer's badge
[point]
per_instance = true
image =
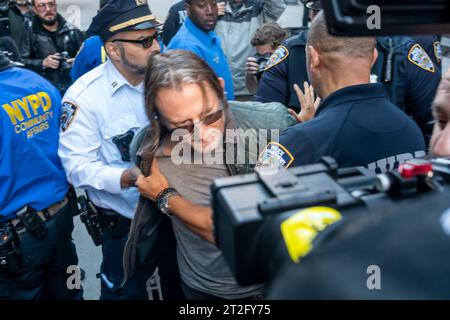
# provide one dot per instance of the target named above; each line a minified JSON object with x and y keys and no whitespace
{"x":68,"y":114}
{"x":275,"y":156}
{"x":277,"y":57}
{"x":418,"y":56}
{"x":438,"y":50}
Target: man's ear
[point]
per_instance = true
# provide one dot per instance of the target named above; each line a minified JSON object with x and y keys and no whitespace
{"x":375,"y":56}
{"x":222,"y":83}
{"x":313,"y":57}
{"x":112,"y":50}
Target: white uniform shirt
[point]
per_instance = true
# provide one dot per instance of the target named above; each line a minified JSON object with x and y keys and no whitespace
{"x":98,"y":107}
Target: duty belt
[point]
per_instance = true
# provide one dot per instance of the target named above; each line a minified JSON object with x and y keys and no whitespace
{"x":45,"y":214}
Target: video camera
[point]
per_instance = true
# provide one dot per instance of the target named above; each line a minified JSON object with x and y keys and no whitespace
{"x":395,"y":17}
{"x":284,"y":216}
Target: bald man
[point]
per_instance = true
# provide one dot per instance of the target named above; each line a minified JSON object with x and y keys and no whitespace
{"x":355,"y":123}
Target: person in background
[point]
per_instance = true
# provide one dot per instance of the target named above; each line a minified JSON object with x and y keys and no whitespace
{"x":50,"y":45}
{"x":266,"y":40}
{"x":175,"y":19}
{"x":26,"y":10}
{"x":236,"y":27}
{"x":16,"y":20}
{"x":196,"y":35}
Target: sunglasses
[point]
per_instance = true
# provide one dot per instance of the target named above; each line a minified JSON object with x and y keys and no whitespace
{"x":207,"y":120}
{"x":146,"y":42}
{"x":43,"y":6}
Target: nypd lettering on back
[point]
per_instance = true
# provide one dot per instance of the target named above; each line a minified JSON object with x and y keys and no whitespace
{"x":390,"y":163}
{"x":30,"y":114}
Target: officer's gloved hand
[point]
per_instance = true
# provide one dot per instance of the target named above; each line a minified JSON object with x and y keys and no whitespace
{"x":309,"y":103}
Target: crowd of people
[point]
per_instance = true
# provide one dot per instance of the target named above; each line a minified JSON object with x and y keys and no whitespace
{"x":130,"y":106}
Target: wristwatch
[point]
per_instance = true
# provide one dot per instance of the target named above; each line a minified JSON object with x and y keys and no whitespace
{"x":162,"y":200}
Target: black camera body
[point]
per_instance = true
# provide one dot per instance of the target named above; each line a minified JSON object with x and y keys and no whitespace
{"x":64,"y":66}
{"x":262,"y":61}
{"x":273,"y":224}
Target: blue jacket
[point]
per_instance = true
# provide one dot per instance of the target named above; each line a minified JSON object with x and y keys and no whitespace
{"x":91,"y":55}
{"x":208,"y":47}
{"x":30,"y":171}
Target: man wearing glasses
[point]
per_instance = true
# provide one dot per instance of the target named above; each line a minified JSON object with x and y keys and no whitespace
{"x":196,"y":136}
{"x":102,"y":111}
{"x":49,"y":46}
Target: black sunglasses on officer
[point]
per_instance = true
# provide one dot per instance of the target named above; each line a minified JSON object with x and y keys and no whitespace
{"x":145,"y":42}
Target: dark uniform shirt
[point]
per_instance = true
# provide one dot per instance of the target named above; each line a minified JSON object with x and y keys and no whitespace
{"x":432,"y":45}
{"x":351,"y":126}
{"x":412,"y":87}
{"x":286,"y":67}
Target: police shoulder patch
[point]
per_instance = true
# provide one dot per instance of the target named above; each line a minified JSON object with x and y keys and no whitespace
{"x":68,"y":113}
{"x":277,"y":57}
{"x":437,"y":50}
{"x":275,"y":155}
{"x":418,"y":56}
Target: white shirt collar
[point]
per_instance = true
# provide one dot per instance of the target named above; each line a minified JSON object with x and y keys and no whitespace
{"x":116,"y":80}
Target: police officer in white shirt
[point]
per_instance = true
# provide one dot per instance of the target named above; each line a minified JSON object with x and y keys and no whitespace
{"x":101,"y":113}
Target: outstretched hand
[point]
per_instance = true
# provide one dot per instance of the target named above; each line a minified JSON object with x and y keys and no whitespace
{"x":308,"y":103}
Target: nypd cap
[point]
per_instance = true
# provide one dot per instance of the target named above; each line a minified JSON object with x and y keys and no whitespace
{"x":122,"y":15}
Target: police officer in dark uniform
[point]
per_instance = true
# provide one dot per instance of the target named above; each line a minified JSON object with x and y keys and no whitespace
{"x":351,"y":123}
{"x":37,"y":256}
{"x":411,"y":81}
{"x":286,"y":67}
{"x":432,"y":44}
{"x":410,"y":78}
